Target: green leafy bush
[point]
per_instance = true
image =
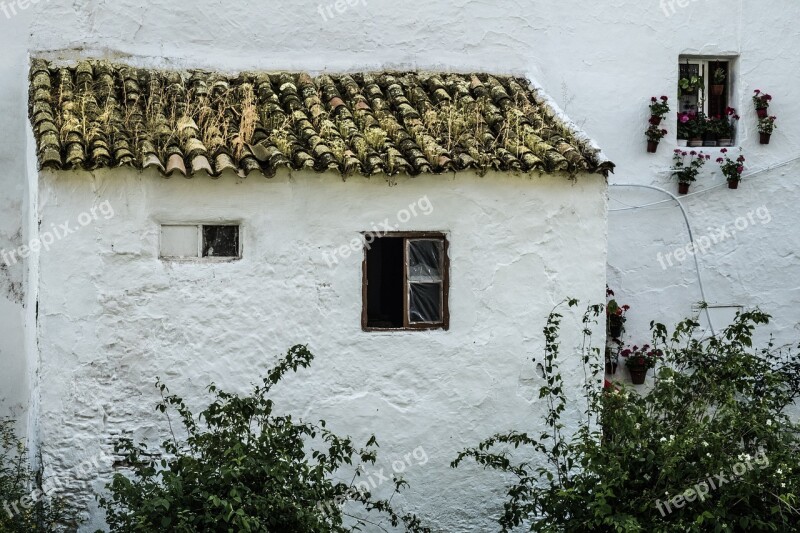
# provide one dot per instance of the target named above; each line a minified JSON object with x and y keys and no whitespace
{"x":24,"y":507}
{"x":710,"y":448}
{"x":244,"y":468}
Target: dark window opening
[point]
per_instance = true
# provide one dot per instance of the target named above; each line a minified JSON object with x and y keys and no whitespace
{"x":220,"y":241}
{"x":385,"y":283}
{"x":406,"y":282}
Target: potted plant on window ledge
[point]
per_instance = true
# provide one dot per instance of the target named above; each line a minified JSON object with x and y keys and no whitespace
{"x":765,"y":128}
{"x":727,"y":127}
{"x":718,"y":87}
{"x":639,"y":361}
{"x":686,"y":170}
{"x":732,"y":169}
{"x":690,"y":85}
{"x":696,"y":129}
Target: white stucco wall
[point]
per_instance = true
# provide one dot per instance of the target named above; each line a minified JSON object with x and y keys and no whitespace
{"x":600,"y":61}
{"x":113,"y":316}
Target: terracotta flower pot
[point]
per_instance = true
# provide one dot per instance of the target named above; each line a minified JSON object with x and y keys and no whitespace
{"x":762,"y":112}
{"x":655,"y":121}
{"x":638,"y":375}
{"x":765,"y":138}
{"x":733,"y":184}
{"x":652,"y":146}
{"x":683,"y":187}
{"x":717,"y":90}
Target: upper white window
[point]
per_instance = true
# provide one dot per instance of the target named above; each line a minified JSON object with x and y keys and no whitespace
{"x":705,"y":89}
{"x":194,"y":241}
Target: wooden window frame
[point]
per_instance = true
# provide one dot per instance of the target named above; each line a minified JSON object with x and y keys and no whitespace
{"x":407,"y":326}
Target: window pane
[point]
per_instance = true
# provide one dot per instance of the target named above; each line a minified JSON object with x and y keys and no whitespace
{"x":425,"y":303}
{"x":425,"y":260}
{"x":179,"y":241}
{"x":220,"y":241}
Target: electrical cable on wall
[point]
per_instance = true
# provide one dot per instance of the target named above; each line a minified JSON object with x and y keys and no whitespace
{"x":691,"y":238}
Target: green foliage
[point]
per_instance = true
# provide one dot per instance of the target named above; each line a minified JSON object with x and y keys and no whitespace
{"x":244,"y":468}
{"x":18,"y":486}
{"x":639,"y":463}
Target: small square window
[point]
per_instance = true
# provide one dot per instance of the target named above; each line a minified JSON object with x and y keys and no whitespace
{"x":705,"y":114}
{"x":406,"y":282}
{"x":184,"y":241}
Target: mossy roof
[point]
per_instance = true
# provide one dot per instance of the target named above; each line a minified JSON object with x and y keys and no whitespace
{"x":95,"y":114}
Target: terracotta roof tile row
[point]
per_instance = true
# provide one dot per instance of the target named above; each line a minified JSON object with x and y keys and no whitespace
{"x":97,"y":114}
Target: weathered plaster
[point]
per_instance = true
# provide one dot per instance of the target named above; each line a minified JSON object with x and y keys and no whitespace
{"x":601,"y":62}
{"x":113,"y":316}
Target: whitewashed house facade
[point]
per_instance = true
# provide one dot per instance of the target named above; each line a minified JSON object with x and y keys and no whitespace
{"x":88,"y":323}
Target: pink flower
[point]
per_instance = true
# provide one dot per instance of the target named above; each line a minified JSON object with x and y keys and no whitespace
{"x":664,"y":98}
{"x":740,"y":169}
{"x":757,"y":91}
{"x":684,"y":154}
{"x":664,"y":132}
{"x":653,"y":99}
{"x":677,"y":150}
{"x":684,"y":118}
{"x":736,"y":117}
{"x":708,"y":157}
{"x":741,"y":159}
{"x":720,"y":160}
{"x":724,"y":150}
{"x":692,"y":153}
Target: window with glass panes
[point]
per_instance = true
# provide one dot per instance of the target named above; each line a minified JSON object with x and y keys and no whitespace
{"x":405,"y":283}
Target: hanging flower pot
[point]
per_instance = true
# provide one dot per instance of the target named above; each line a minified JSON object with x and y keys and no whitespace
{"x":615,"y":324}
{"x":652,"y":146}
{"x":638,"y":375}
{"x":733,"y":184}
{"x":717,"y":90}
{"x":655,"y":120}
{"x":762,"y":112}
{"x":695,"y":142}
{"x":683,"y":187}
{"x":765,"y":138}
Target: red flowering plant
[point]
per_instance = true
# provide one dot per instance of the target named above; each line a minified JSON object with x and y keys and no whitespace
{"x":659,"y":107}
{"x":761,"y":100}
{"x":727,"y":126}
{"x":615,"y":315}
{"x":641,"y":358}
{"x":686,"y":165}
{"x":731,"y":168}
{"x":654,"y":133}
{"x":767,"y":125}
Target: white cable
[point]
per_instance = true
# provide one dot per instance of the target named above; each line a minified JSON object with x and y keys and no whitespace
{"x":701,"y":191}
{"x":691,"y":238}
